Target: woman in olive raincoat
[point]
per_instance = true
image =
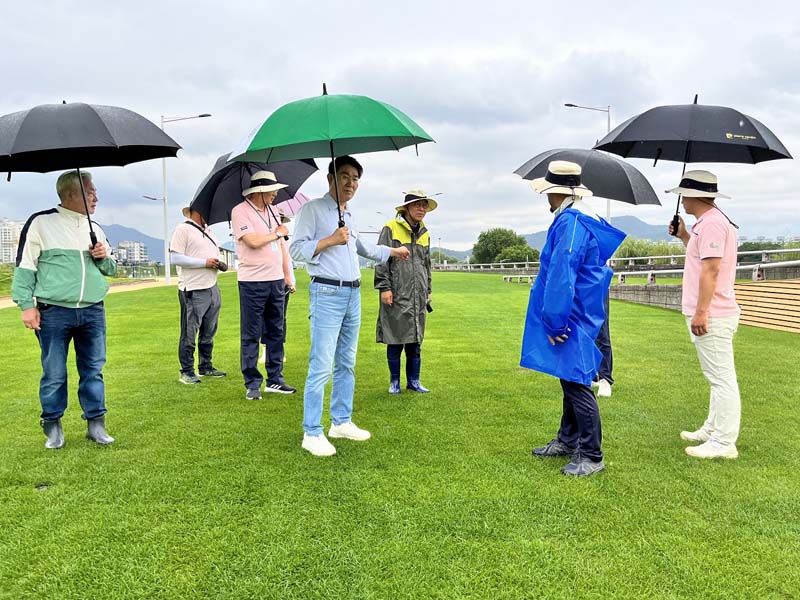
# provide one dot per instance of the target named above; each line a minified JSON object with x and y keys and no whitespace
{"x":405,"y":290}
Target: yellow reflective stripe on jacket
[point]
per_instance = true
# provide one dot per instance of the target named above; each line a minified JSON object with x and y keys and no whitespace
{"x":401,"y":231}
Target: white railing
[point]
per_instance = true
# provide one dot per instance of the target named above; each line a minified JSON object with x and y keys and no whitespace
{"x":643,"y":261}
{"x":756,"y":270}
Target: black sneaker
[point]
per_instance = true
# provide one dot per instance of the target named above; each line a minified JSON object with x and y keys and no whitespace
{"x":280,"y":388}
{"x":582,"y":467}
{"x":189,"y":379}
{"x":553,"y":448}
{"x":253,"y":395}
{"x":212,"y":372}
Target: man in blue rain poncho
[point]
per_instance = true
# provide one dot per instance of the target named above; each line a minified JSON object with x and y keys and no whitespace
{"x":566,"y":311}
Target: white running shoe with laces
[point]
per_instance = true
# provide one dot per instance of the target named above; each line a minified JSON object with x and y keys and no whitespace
{"x":318,"y":445}
{"x":349,"y":431}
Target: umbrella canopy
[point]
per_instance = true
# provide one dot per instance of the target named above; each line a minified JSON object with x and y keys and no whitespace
{"x":694,"y":133}
{"x":55,"y":137}
{"x":222,"y":188}
{"x":291,"y":206}
{"x":607,"y":176}
{"x":330,"y":125}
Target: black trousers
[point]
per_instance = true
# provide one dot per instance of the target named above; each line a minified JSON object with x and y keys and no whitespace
{"x":580,"y":421}
{"x":199,"y":317}
{"x":261,"y":310}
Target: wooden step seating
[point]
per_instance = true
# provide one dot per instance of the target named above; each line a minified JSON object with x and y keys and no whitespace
{"x":770,"y":304}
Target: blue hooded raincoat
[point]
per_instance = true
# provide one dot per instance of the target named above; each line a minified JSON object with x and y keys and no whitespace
{"x":568,"y":297}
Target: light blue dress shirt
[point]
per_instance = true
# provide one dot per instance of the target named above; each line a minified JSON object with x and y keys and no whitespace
{"x":317,"y":220}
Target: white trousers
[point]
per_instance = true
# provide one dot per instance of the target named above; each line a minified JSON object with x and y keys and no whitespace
{"x":715,"y":352}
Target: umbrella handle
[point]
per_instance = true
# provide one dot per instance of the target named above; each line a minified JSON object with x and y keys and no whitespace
{"x":336,"y":184}
{"x":92,"y":234}
{"x":676,"y":221}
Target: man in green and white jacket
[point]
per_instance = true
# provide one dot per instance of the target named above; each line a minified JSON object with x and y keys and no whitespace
{"x":59,"y":284}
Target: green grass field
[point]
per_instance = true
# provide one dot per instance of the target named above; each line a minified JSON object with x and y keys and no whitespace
{"x":207,"y":495}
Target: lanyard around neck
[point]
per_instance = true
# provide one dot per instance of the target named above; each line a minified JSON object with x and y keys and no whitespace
{"x":258,"y":212}
{"x":201,"y":230}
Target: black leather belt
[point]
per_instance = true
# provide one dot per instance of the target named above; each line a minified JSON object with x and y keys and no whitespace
{"x":336,"y":282}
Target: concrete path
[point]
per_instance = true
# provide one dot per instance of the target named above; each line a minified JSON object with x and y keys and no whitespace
{"x":122,"y":286}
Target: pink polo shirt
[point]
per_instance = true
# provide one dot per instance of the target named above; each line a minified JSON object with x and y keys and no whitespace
{"x":267,"y":263}
{"x":712,"y":236}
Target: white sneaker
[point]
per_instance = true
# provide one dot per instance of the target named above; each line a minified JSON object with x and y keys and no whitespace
{"x":318,"y":445}
{"x":695,"y":436}
{"x":349,"y":431}
{"x":603,"y":389}
{"x":595,"y":383}
{"x":713,"y":449}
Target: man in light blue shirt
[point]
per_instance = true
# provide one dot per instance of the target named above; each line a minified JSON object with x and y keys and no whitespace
{"x":330,"y":251}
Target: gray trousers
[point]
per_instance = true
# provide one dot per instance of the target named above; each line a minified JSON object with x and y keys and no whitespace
{"x":199,"y":316}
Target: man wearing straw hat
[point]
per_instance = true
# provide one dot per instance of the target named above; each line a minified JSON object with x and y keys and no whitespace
{"x":195,"y":250}
{"x":565,"y":313}
{"x":712,"y":315}
{"x":264,"y":273}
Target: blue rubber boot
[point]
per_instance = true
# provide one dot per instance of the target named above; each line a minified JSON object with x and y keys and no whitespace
{"x":394,"y":375}
{"x":413,"y":365}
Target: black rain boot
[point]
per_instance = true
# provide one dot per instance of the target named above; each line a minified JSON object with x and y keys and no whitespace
{"x":413,"y":366}
{"x":96,"y":431}
{"x":54,"y":433}
{"x":394,"y":375}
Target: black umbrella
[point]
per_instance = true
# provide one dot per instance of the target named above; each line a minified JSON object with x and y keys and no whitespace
{"x":694,"y":133}
{"x":607,"y":176}
{"x":64,"y":136}
{"x":222,"y":188}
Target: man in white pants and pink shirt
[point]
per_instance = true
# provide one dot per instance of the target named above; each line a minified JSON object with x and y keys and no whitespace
{"x":712,"y":315}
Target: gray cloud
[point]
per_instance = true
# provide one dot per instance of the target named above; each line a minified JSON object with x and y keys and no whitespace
{"x":487,"y":83}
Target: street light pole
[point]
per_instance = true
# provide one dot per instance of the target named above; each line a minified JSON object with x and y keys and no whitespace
{"x":607,"y":110}
{"x":166,"y":226}
{"x":167,"y":267}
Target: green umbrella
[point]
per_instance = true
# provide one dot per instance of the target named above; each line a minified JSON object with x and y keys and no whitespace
{"x":329,"y":125}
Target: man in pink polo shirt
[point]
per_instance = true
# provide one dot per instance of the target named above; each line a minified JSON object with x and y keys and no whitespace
{"x":712,"y":315}
{"x":265,"y":276}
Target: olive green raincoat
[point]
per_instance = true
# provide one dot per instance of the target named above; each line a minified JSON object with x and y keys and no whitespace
{"x":410,"y":282}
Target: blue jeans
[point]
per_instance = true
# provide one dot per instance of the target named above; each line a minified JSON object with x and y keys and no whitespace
{"x":86,"y":328}
{"x":335,"y":314}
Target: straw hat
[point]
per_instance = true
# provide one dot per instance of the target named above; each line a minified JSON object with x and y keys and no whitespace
{"x":698,"y":184}
{"x":415,"y":195}
{"x":263,"y":181}
{"x":563,"y":177}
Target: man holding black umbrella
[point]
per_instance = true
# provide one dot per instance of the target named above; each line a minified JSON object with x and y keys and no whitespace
{"x":711,"y":312}
{"x":59,"y":284}
{"x":265,"y":274}
{"x":566,"y":311}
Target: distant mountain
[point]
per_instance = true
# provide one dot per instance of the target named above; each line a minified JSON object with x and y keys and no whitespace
{"x":120,"y":233}
{"x":633,"y":226}
{"x":461,"y":255}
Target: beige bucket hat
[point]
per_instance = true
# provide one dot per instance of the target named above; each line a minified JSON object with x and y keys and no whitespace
{"x":698,"y":184}
{"x":263,"y":181}
{"x":563,"y":177}
{"x":413,"y":196}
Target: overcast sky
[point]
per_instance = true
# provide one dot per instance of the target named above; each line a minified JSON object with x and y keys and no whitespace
{"x":486,"y":80}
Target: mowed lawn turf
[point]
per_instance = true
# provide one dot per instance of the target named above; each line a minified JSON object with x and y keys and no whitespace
{"x":208,"y":495}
